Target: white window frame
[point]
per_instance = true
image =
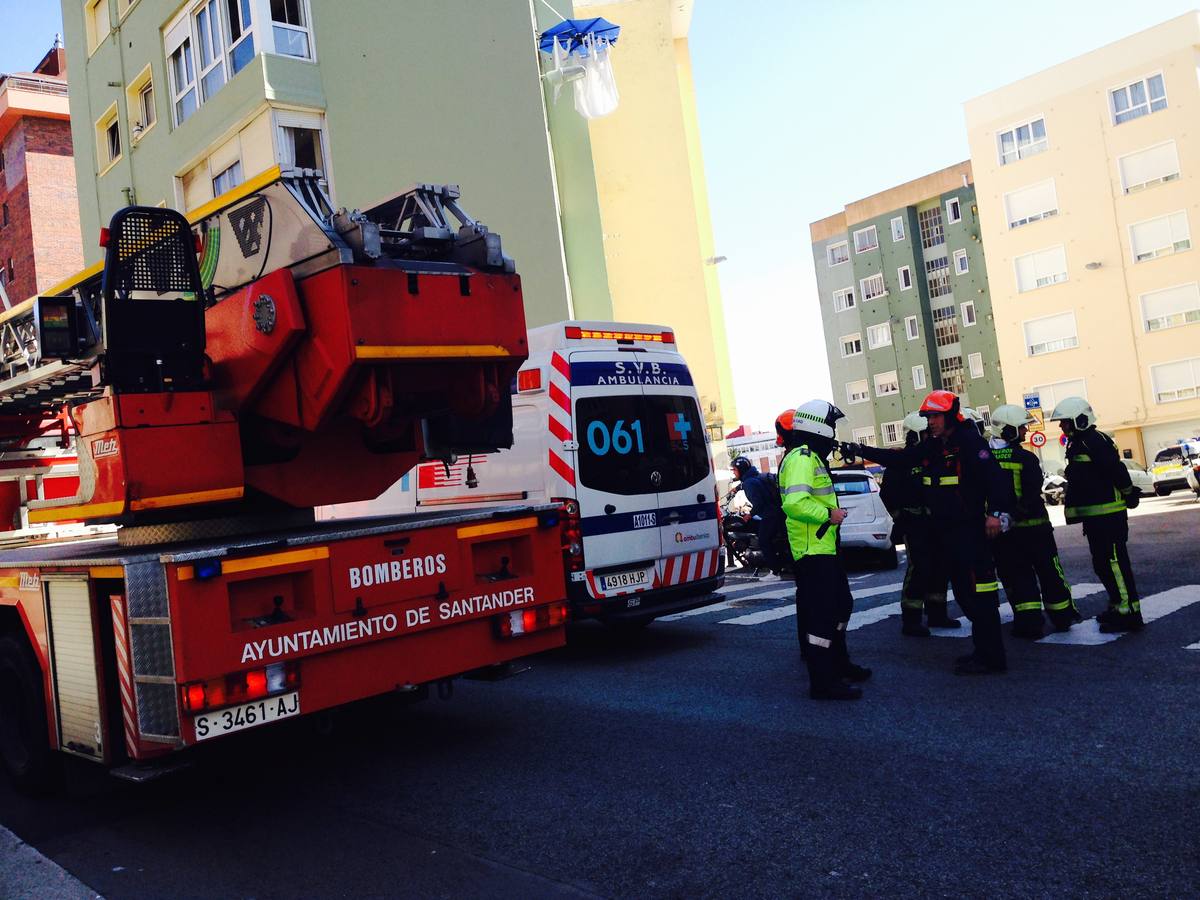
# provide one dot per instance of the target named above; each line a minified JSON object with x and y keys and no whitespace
{"x":864,"y":435}
{"x":1066,"y":275}
{"x":1195,"y":366}
{"x":1163,"y":179}
{"x":883,"y":329}
{"x":1159,"y":252}
{"x":919,"y":384}
{"x":96,"y":30}
{"x":855,"y":337}
{"x":912,"y":328}
{"x":1044,"y":214}
{"x":955,"y":216}
{"x":904,"y":276}
{"x":306,"y":29}
{"x":1145,"y":81}
{"x":1032,"y":149}
{"x":862,"y":287}
{"x":248,"y":34}
{"x":235,"y":180}
{"x":215,"y":45}
{"x":186,"y":46}
{"x":1029,"y":348}
{"x":971,"y":320}
{"x":975,"y":365}
{"x":829,"y":248}
{"x":105,"y":158}
{"x":897,"y":429}
{"x":874,"y":238}
{"x":863,"y":397}
{"x":1189,"y":317}
{"x":285,"y":119}
{"x":844,"y":299}
{"x":898,"y":233}
{"x":962,"y":264}
{"x":894,"y":378}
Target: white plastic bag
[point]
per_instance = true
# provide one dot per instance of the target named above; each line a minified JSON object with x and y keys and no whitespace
{"x":596,"y":93}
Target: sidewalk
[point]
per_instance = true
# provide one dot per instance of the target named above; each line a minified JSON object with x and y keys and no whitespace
{"x":27,"y":875}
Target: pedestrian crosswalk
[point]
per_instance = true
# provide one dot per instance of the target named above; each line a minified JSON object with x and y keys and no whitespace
{"x":779,"y":595}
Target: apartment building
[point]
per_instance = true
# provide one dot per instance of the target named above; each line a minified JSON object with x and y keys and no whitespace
{"x":1088,"y":177}
{"x":175,"y":102}
{"x":903,"y":288}
{"x":39,"y":209}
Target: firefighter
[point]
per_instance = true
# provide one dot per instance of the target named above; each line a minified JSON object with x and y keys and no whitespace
{"x":976,"y":419}
{"x":1098,"y":494}
{"x":903,"y":495}
{"x":968,"y":502}
{"x":764,"y":508}
{"x":1026,"y":555}
{"x":813,"y":517}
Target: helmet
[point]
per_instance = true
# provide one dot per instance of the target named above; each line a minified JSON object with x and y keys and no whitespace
{"x":967,"y":414}
{"x":742,"y":465}
{"x":1075,"y":410}
{"x":1008,"y":419}
{"x":915,"y":422}
{"x":783,"y":425}
{"x":942,"y":402}
{"x":817,"y":417}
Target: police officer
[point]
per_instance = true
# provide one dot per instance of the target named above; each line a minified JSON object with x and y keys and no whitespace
{"x":1098,"y":493}
{"x":1026,"y":555}
{"x":903,"y":495}
{"x":765,"y":509}
{"x":823,"y":599}
{"x":968,"y":501}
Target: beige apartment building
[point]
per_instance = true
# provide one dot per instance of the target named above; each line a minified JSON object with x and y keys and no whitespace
{"x":1088,"y":182}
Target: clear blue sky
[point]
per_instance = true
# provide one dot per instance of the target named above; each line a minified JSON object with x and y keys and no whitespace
{"x":805,"y":106}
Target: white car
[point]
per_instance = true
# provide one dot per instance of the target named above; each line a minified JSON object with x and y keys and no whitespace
{"x":1142,"y":480}
{"x":868,"y":524}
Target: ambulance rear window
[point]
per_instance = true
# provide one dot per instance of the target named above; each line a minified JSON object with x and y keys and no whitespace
{"x":625,"y":440}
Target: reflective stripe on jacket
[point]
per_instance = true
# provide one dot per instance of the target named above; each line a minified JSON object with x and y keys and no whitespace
{"x":1097,"y":480}
{"x":806,"y":489}
{"x":1026,"y":473}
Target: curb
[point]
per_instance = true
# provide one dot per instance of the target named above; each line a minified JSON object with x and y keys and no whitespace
{"x":27,"y":874}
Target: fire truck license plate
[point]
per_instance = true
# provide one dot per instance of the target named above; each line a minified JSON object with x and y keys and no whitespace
{"x":236,"y":718}
{"x":625,"y":579}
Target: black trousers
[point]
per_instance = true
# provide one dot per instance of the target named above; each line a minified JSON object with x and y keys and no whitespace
{"x":1108,"y":539}
{"x":924,"y":578}
{"x":823,"y":607}
{"x":768,"y":529}
{"x":1033,"y":577}
{"x":962,"y":548}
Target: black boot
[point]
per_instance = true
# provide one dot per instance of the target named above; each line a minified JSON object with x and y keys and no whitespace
{"x":937,"y":615}
{"x":973,"y":665}
{"x":910,"y":622}
{"x":1028,"y":625}
{"x":1122,"y":622}
{"x":851,"y":672}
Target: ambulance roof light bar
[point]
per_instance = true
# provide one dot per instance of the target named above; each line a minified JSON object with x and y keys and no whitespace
{"x":575,"y":333}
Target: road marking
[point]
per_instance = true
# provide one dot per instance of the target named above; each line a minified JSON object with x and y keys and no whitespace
{"x":1153,"y":607}
{"x":782,"y":612}
{"x":1078,"y":592}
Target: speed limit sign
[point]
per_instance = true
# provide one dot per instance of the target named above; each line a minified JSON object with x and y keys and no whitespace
{"x":1038,"y":439}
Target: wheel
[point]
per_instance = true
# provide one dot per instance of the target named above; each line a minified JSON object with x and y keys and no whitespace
{"x":24,"y":749}
{"x":1162,"y":490}
{"x":889,"y":558}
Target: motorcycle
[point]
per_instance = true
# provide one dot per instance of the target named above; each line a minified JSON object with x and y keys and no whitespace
{"x":741,"y":536}
{"x":1054,"y":490}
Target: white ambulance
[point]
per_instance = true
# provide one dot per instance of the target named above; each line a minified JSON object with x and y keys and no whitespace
{"x":607,"y":421}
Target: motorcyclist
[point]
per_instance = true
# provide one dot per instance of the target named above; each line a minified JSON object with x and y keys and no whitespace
{"x":766,"y":511}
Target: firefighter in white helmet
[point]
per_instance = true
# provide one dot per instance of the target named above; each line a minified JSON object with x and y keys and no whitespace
{"x":975,"y":418}
{"x":823,"y":599}
{"x":1098,"y":493}
{"x":1026,"y":555}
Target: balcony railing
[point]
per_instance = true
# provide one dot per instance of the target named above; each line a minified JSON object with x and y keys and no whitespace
{"x":33,"y":85}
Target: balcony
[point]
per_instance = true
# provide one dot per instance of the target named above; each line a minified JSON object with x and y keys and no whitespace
{"x":23,"y":94}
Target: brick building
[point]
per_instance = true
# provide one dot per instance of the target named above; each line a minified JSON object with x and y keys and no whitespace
{"x":39,"y":206}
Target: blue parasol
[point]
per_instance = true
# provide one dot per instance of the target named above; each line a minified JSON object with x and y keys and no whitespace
{"x":571,"y":32}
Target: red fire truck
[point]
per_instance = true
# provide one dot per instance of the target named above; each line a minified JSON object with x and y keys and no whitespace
{"x":216,"y":377}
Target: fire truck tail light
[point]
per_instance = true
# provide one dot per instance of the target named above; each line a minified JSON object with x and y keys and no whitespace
{"x":527,"y":621}
{"x":103,"y":237}
{"x":240,"y":687}
{"x":572,"y":535}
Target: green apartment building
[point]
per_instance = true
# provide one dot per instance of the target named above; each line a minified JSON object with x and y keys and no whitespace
{"x":905,"y":304}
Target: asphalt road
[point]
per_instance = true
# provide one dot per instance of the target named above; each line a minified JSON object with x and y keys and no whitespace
{"x":688,"y":761}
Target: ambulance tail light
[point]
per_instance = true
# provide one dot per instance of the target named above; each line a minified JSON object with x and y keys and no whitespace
{"x":240,"y":687}
{"x":529,"y":381}
{"x":575,"y":333}
{"x":520,"y":622}
{"x":572,"y":535}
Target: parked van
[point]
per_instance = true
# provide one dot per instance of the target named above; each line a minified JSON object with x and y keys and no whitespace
{"x":1170,"y":466}
{"x":607,"y":421}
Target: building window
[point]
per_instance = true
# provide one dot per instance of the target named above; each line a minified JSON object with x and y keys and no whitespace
{"x":1029,"y":204}
{"x":1050,"y":334}
{"x":108,"y":140}
{"x":210,"y":43}
{"x":886,"y":383}
{"x":180,"y":65}
{"x":837,"y":254}
{"x":1176,"y":380}
{"x":139,"y":100}
{"x":301,"y":148}
{"x":912,"y":328}
{"x":843,"y":299}
{"x":1041,"y":268}
{"x":1138,"y":99}
{"x":864,"y":435}
{"x":951,"y":371}
{"x":945,"y":326}
{"x":986,"y":413}
{"x":937,"y":276}
{"x":1171,"y":307}
{"x":289,"y":18}
{"x":930,"y":222}
{"x":851,"y":345}
{"x":897,"y":229}
{"x":1050,"y":395}
{"x":872,"y":286}
{"x":241,"y":35}
{"x":96,"y":14}
{"x":918,"y":375}
{"x":227,"y":179}
{"x":865,"y":239}
{"x":904,"y":275}
{"x":968,"y":314}
{"x":1154,"y":165}
{"x":879,"y":335}
{"x":953,"y":211}
{"x":207,"y":25}
{"x":961,"y":264}
{"x":12,"y":271}
{"x":857,"y":392}
{"x":975,"y":364}
{"x":1022,"y":141}
{"x":1160,"y":237}
{"x":893,"y":432}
